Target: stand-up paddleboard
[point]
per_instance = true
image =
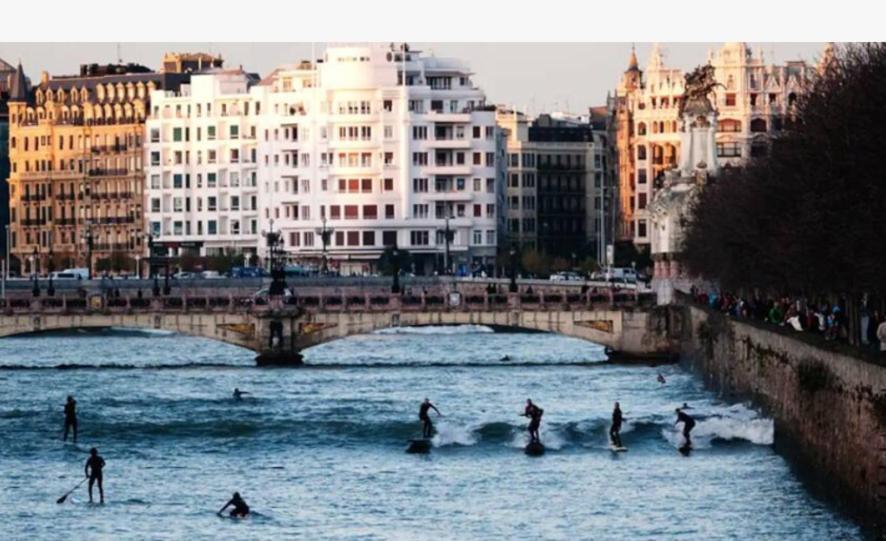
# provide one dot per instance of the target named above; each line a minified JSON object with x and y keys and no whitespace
{"x":617,"y":449}
{"x":421,"y":446}
{"x":535,"y":448}
{"x":685,"y":449}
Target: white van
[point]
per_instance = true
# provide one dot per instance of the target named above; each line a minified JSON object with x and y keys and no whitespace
{"x":628,"y":274}
{"x":71,"y":274}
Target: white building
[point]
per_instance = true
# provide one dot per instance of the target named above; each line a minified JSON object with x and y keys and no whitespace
{"x":202,"y":166}
{"x":346,"y":145}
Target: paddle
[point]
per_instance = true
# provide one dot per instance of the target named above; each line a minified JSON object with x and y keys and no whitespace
{"x":68,"y":493}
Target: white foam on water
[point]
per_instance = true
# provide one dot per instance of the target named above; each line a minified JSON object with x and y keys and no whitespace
{"x":437,"y":329}
{"x":550,"y":438}
{"x":452,"y":434}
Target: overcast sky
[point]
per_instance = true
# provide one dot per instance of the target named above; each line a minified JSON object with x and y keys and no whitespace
{"x":536,"y":76}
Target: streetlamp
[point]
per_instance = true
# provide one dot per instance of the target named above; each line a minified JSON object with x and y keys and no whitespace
{"x":513,"y":259}
{"x":395,"y":255}
{"x":50,"y":290}
{"x":278,"y":275}
{"x":325,"y":234}
{"x":89,"y":239}
{"x":448,"y":235}
{"x":36,"y":289}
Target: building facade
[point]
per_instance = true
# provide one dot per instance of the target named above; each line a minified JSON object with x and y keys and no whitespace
{"x":369,"y":147}
{"x":558,"y":182}
{"x":77,"y":173}
{"x":753,"y":102}
{"x":7,"y":76}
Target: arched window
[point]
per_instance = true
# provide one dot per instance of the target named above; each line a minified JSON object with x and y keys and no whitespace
{"x":655,"y":127}
{"x":729,"y":125}
{"x":641,"y":128}
{"x":641,"y":152}
{"x":758,"y":125}
{"x":792,"y":99}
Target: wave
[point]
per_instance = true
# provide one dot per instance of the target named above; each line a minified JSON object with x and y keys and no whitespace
{"x":437,"y":329}
{"x":718,"y":428}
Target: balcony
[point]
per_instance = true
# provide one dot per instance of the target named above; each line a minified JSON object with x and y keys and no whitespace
{"x":108,"y":172}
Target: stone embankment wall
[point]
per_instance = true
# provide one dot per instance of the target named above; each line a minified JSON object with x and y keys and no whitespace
{"x":829,"y":407}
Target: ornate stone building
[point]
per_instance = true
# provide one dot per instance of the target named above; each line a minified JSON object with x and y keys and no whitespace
{"x":753,"y":101}
{"x":77,"y":173}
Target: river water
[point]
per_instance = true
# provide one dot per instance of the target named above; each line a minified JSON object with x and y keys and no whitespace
{"x":319,"y":452}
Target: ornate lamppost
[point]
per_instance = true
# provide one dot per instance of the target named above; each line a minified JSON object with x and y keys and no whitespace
{"x":395,"y":256}
{"x":278,"y":275}
{"x":325,"y":234}
{"x":513,"y":260}
{"x":36,"y":289}
{"x":50,"y":290}
{"x":89,"y":239}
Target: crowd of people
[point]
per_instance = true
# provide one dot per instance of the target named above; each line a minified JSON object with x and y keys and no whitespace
{"x":802,"y":314}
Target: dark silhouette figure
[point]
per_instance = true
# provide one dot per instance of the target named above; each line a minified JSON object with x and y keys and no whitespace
{"x":240,"y":508}
{"x":93,"y":470}
{"x":615,"y":430}
{"x":427,"y":426}
{"x":70,"y":418}
{"x":238,"y":394}
{"x":534,"y":413}
{"x":661,"y":379}
{"x":688,"y":424}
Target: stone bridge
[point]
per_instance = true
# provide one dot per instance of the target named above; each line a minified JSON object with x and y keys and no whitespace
{"x":278,"y":329}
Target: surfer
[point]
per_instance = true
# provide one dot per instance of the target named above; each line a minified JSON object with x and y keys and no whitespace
{"x":688,"y":424}
{"x":661,"y":378}
{"x":70,"y":418}
{"x":240,"y":508}
{"x":93,"y":470}
{"x":505,"y":359}
{"x":614,"y":431}
{"x":534,"y":413}
{"x":238,"y":394}
{"x":427,"y":426}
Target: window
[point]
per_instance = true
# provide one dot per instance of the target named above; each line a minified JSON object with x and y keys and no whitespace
{"x":419,"y":238}
{"x":730,"y":102}
{"x":389,"y":238}
{"x":419,"y":132}
{"x":419,"y":158}
{"x":758,"y":125}
{"x":155,"y":204}
{"x":351,"y":212}
{"x":370,"y":212}
{"x":389,"y":212}
{"x":369,"y":238}
{"x":490,"y":159}
{"x":334,"y":212}
{"x":155,"y":135}
{"x":210,"y":133}
{"x":155,"y":182}
{"x":641,"y":228}
{"x":388,"y":105}
{"x":366,"y":185}
{"x":477,"y":237}
{"x":389,"y":158}
{"x":641,"y":201}
{"x":490,"y":185}
{"x":728,"y":125}
{"x":211,"y":227}
{"x":641,"y":176}
{"x":728,"y":150}
{"x":211,"y":180}
{"x":641,"y":152}
{"x":420,"y":211}
{"x":211,"y":203}
{"x":353,"y":238}
{"x":389,"y":132}
{"x":388,"y":184}
{"x":641,"y":128}
{"x":478,"y":211}
{"x":235,"y":132}
{"x":490,"y":210}
{"x":419,"y":185}
{"x":155,"y":158}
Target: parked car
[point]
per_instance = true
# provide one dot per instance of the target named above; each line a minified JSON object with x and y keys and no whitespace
{"x":566,"y":276}
{"x":184,"y":275}
{"x":248,"y":272}
{"x":65,"y":275}
{"x":211,"y":275}
{"x":264,"y":293}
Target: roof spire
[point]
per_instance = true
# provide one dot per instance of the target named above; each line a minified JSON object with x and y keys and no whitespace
{"x":19,"y":89}
{"x":632,"y":63}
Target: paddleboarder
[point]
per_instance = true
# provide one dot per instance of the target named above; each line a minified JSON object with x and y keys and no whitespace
{"x":427,"y":426}
{"x":534,"y":413}
{"x":238,"y":394}
{"x":93,"y":470}
{"x":70,"y":418}
{"x":615,"y":430}
{"x":688,"y":424}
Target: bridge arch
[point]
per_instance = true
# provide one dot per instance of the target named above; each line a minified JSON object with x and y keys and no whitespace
{"x":235,"y":329}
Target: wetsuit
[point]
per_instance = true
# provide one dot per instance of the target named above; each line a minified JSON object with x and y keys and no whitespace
{"x":240,"y":508}
{"x":71,"y":419}
{"x":423,"y":416}
{"x":93,"y":470}
{"x":614,"y":435}
{"x":534,"y":413}
{"x":688,"y":425}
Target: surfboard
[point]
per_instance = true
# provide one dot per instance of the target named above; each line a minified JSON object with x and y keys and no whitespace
{"x":615,"y":449}
{"x":421,"y":446}
{"x":685,"y":450}
{"x":535,"y":448}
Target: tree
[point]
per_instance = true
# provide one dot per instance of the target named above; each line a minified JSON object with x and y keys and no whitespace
{"x":810,"y":218}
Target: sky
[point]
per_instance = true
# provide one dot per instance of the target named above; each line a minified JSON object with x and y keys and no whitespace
{"x":534,"y":77}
